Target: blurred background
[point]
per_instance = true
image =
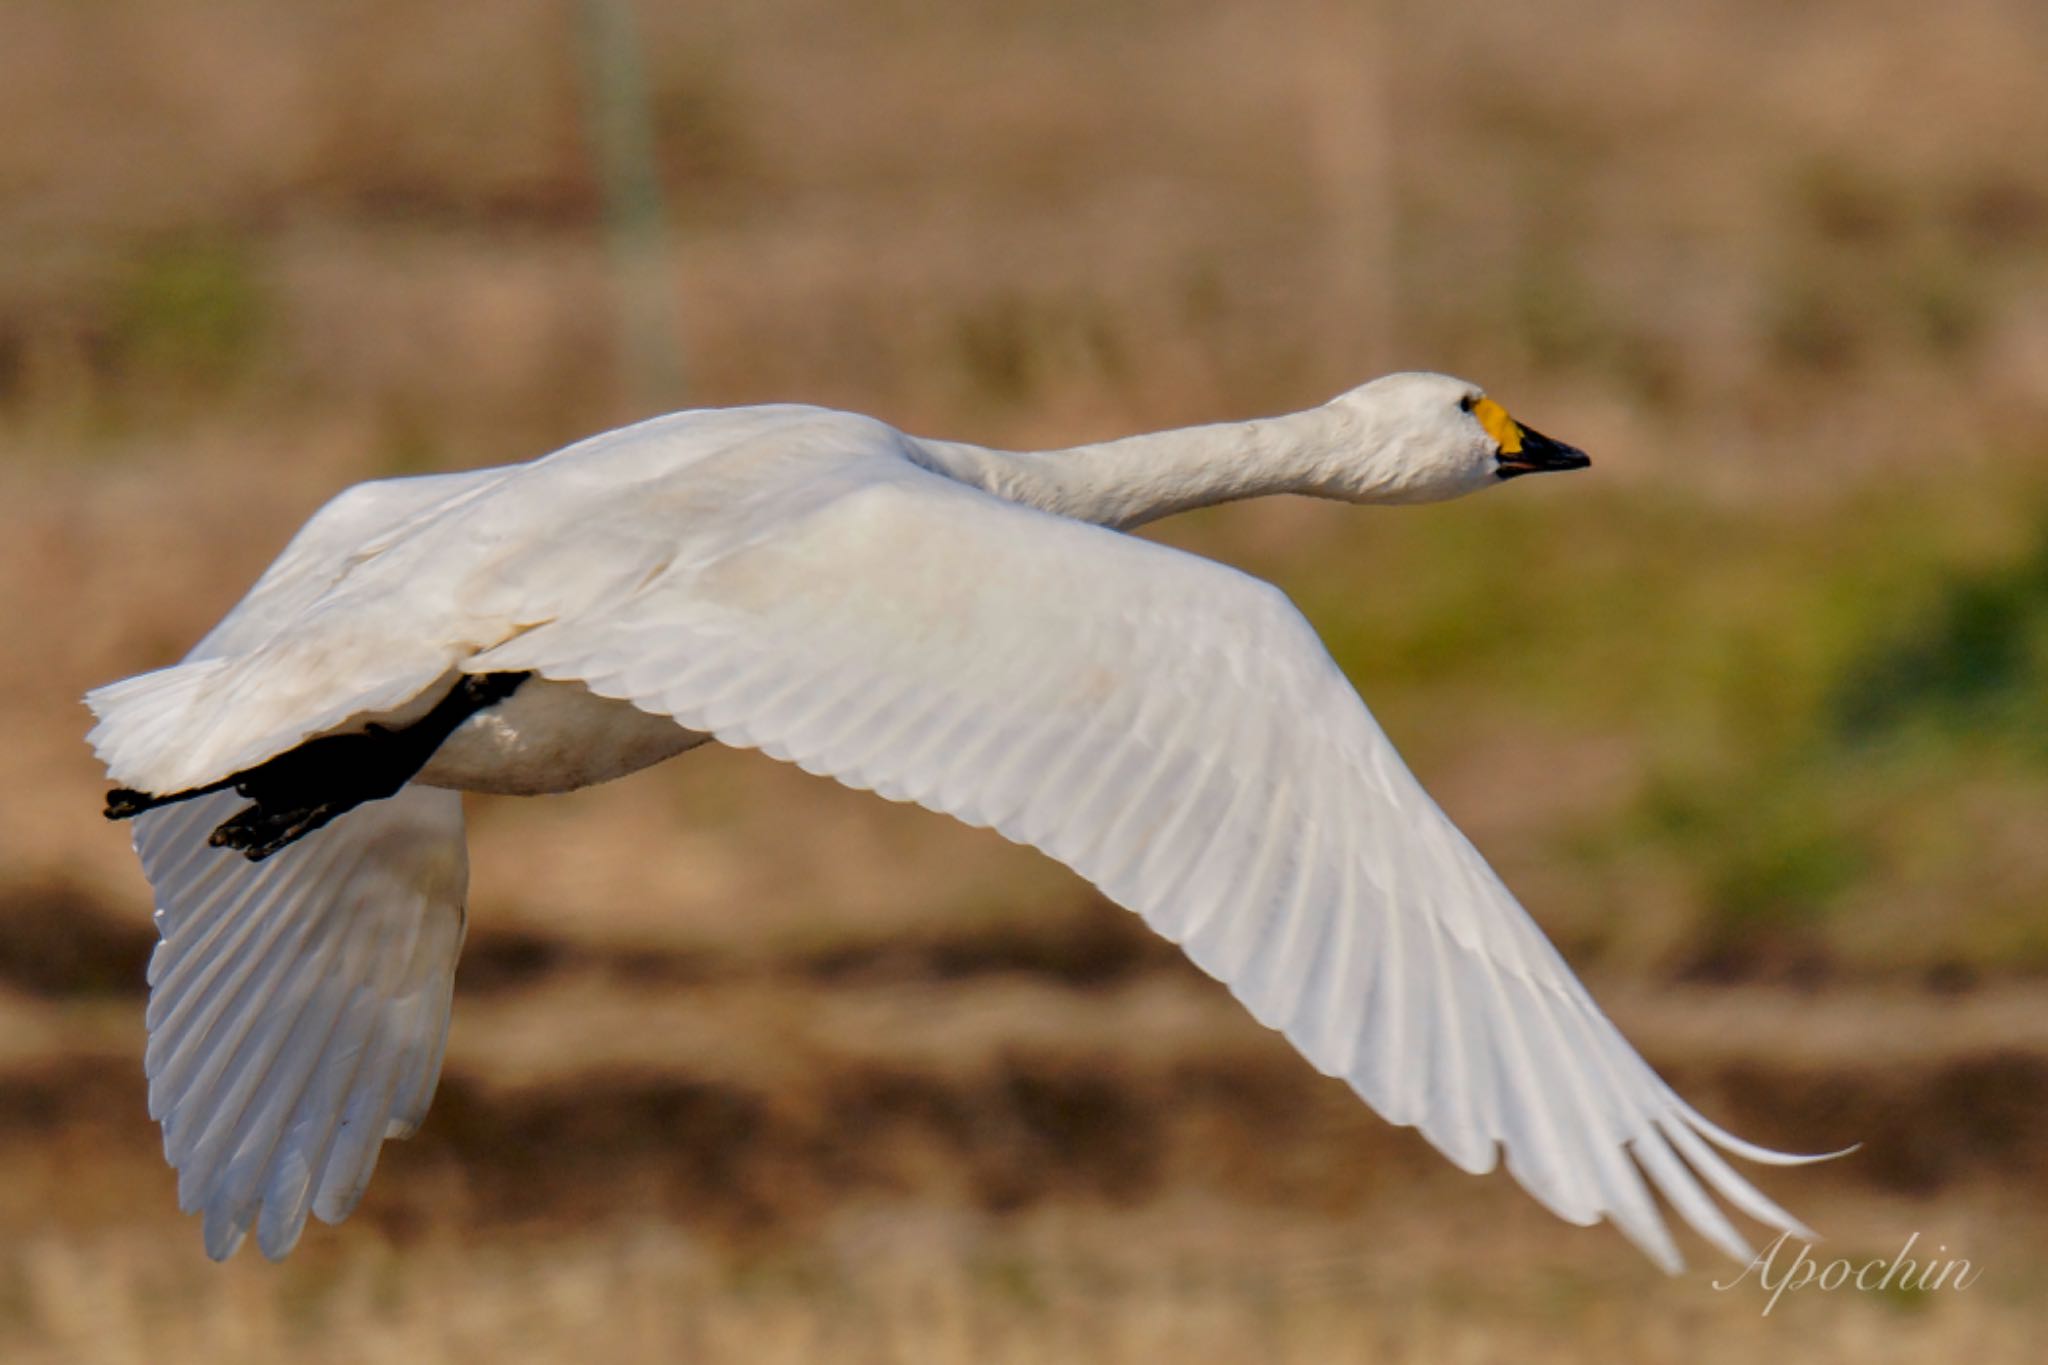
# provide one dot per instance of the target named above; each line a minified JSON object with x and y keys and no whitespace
{"x":749,"y":1068}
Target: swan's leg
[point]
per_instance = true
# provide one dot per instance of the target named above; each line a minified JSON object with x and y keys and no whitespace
{"x":304,"y":788}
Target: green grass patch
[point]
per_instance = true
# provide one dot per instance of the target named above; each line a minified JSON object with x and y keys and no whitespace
{"x":192,"y":312}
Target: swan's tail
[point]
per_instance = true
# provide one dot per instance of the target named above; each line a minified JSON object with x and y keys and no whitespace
{"x":137,"y":714}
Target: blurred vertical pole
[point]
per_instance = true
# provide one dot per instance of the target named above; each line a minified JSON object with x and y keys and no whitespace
{"x":1349,"y":68}
{"x":621,"y":129}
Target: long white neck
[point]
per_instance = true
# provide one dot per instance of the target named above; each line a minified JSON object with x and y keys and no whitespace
{"x":1326,"y":451}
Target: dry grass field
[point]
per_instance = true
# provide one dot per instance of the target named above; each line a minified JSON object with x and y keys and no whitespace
{"x":747,"y":1068}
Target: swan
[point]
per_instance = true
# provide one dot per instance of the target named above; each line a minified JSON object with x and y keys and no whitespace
{"x":937,"y":622}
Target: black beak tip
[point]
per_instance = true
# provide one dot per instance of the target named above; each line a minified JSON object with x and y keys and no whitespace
{"x":1542,"y":455}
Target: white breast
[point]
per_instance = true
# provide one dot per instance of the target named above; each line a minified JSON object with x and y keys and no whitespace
{"x":553,"y":737}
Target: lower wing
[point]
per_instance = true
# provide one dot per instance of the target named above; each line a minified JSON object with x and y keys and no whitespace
{"x":298,"y":1008}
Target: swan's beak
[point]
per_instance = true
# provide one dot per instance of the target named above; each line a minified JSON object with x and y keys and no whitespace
{"x":1538,"y":454}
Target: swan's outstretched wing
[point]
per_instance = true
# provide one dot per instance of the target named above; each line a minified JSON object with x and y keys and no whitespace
{"x":1174,"y":731}
{"x":298,"y":1008}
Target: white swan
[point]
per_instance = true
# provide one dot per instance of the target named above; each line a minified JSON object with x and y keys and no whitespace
{"x":937,"y":622}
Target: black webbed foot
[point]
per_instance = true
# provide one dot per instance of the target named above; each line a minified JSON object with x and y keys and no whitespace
{"x":256,"y":832}
{"x":125,"y":803}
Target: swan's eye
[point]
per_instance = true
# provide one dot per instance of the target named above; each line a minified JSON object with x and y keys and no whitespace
{"x":1465,"y":403}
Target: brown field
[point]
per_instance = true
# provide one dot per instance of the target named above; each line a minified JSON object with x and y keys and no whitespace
{"x":749,"y":1068}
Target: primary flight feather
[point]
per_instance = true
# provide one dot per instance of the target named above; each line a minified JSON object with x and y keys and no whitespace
{"x":933,"y":621}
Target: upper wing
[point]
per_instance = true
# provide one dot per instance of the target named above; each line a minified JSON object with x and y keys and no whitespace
{"x":352,"y":525}
{"x":1174,"y":731}
{"x":164,"y":731}
{"x":298,"y":1007}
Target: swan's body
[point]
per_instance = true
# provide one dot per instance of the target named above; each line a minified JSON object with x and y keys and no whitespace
{"x":929,"y":620}
{"x":553,"y":737}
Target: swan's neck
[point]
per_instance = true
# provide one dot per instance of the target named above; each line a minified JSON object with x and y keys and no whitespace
{"x":1142,"y":478}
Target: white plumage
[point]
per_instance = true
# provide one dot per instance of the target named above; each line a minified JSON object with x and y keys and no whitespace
{"x":943,"y":624}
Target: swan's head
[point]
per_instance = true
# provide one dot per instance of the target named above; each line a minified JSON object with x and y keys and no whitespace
{"x":1427,"y":437}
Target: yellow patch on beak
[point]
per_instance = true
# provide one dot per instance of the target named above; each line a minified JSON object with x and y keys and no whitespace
{"x":1499,"y":425}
